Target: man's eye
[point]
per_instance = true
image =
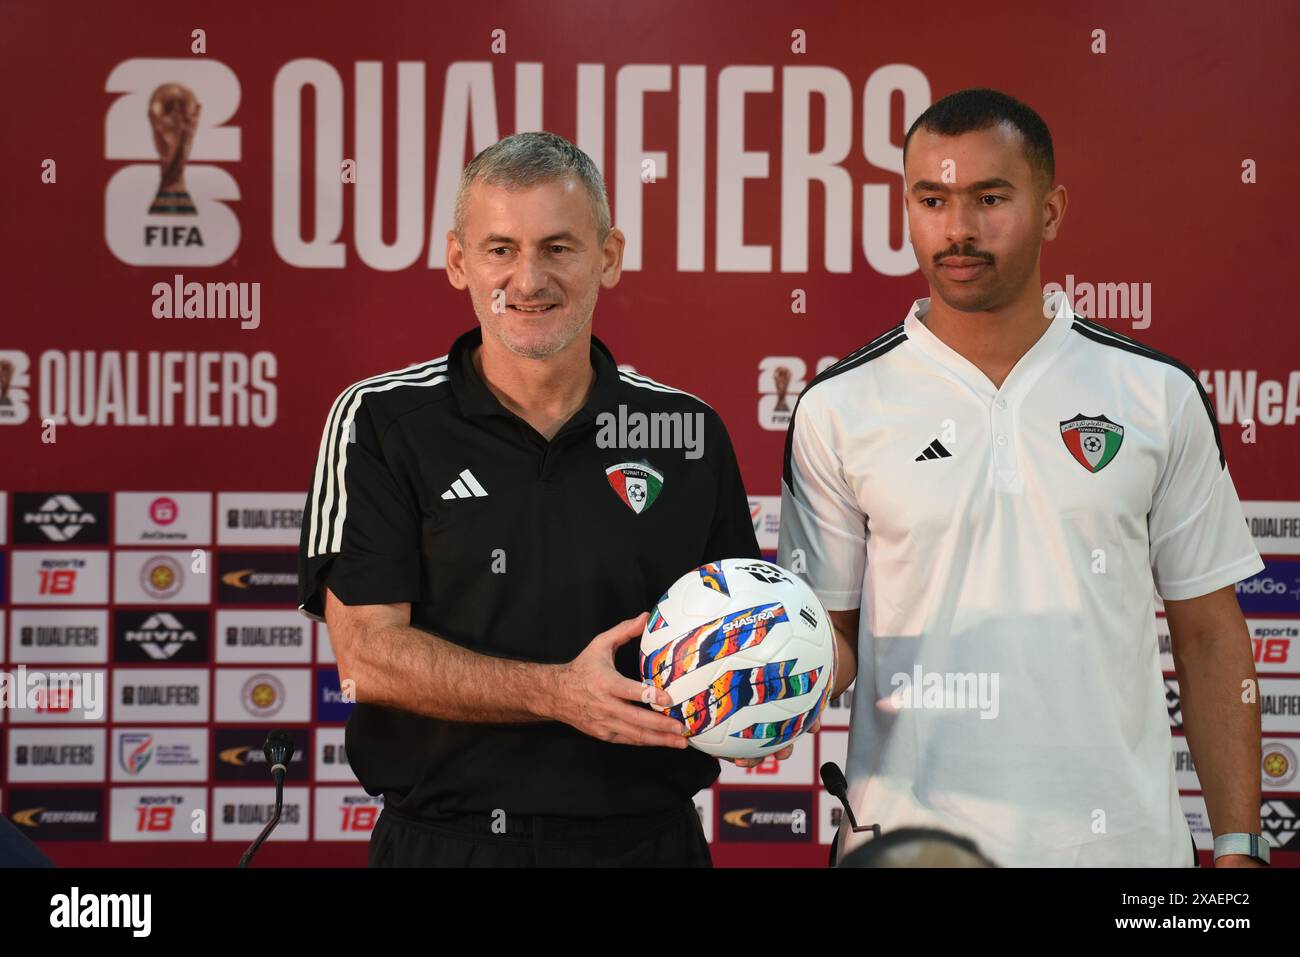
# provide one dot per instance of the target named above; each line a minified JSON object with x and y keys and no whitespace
{"x":497,"y":249}
{"x":997,"y":199}
{"x":926,"y":200}
{"x":559,"y":249}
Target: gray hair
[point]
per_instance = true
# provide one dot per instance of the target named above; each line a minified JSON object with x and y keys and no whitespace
{"x":529,"y":159}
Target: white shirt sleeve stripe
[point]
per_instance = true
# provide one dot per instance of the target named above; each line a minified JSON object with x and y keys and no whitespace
{"x":645,"y":382}
{"x":325,"y":478}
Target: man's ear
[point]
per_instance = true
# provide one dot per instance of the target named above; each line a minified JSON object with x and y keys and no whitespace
{"x":612,"y":261}
{"x":456,"y":261}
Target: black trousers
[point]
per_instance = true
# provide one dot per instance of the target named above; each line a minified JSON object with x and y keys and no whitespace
{"x":17,"y":851}
{"x":673,"y":838}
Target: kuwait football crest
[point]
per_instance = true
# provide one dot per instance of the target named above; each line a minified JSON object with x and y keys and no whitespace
{"x":1093,"y":441}
{"x":636,"y":483}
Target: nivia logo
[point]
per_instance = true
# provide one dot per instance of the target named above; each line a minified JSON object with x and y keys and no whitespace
{"x":1174,"y":703}
{"x":1279,"y":821}
{"x":160,"y":636}
{"x":60,"y":518}
{"x":934,"y":450}
{"x":466,"y":486}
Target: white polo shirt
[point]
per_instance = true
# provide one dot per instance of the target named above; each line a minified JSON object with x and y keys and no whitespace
{"x":1002,"y":545}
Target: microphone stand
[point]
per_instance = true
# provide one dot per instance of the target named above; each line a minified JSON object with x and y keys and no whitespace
{"x":833,"y":778}
{"x":279,"y":751}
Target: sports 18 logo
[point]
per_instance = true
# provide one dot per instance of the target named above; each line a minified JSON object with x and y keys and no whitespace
{"x":54,"y":700}
{"x":1274,"y":651}
{"x":154,"y":818}
{"x":58,"y":581}
{"x":360,"y":818}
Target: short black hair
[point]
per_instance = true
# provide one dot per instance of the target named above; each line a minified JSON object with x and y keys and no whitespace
{"x":978,"y":109}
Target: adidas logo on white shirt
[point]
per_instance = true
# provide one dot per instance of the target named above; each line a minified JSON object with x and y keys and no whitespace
{"x":934,"y":450}
{"x":467,"y":486}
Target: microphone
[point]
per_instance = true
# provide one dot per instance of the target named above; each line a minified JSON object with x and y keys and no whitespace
{"x":833,"y":779}
{"x":278,"y":750}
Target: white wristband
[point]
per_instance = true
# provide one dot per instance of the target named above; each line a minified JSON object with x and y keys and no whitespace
{"x":1252,"y":845}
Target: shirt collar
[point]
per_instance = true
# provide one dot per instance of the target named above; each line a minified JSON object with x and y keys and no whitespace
{"x":1029,"y":367}
{"x":475,"y":398}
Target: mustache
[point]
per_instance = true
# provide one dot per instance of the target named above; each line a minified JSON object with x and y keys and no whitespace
{"x":964,"y":253}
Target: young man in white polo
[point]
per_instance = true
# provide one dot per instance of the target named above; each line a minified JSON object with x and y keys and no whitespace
{"x":983,"y":498}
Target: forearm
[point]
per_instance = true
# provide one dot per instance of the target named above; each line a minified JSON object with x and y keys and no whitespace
{"x":1222,"y":729}
{"x":403,"y":667}
{"x":846,"y":664}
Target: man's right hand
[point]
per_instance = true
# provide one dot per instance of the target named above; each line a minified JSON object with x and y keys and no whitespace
{"x":590,"y":694}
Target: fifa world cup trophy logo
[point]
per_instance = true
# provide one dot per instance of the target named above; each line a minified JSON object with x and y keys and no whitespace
{"x":174,"y":116}
{"x":781,"y":376}
{"x":6,"y":376}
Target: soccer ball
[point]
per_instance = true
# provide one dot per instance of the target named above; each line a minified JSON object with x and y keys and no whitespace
{"x":746,"y":651}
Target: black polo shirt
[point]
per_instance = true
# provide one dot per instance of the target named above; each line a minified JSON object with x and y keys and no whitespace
{"x":427,"y":490}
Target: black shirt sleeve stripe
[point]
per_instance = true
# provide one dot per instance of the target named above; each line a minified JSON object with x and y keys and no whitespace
{"x":874,"y":349}
{"x":1108,"y":337}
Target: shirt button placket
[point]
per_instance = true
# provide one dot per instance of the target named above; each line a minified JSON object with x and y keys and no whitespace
{"x":1005,"y":465}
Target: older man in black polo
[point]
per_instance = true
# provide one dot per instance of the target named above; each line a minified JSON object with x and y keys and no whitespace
{"x":484,"y":546}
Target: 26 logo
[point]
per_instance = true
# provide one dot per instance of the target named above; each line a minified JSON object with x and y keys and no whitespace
{"x":170,"y":122}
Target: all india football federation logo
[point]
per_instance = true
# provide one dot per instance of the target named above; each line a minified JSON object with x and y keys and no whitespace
{"x":636,"y":483}
{"x":135,"y":751}
{"x":1092,"y":440}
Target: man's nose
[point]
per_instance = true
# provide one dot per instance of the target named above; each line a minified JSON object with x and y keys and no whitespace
{"x":529,"y":274}
{"x":961,"y":226}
